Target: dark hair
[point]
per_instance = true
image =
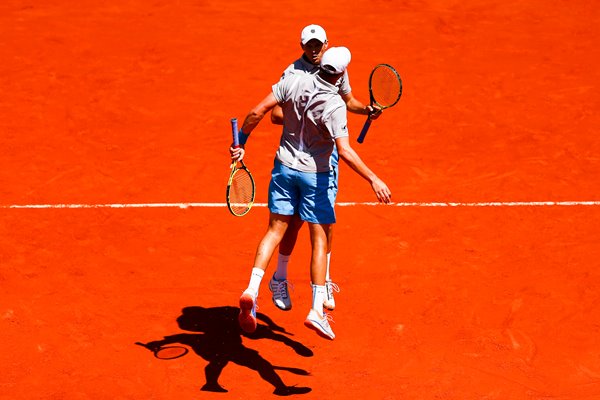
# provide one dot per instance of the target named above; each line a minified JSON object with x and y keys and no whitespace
{"x":328,"y":69}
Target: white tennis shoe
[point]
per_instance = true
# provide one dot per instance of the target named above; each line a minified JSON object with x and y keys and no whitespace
{"x":281,"y":295}
{"x":320,"y":324}
{"x":247,"y":317}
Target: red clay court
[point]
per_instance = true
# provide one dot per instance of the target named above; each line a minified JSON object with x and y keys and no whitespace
{"x":121,"y":112}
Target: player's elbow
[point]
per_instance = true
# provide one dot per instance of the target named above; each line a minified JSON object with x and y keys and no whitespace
{"x":345,"y":152}
{"x":257,"y":113}
{"x":276,"y":119}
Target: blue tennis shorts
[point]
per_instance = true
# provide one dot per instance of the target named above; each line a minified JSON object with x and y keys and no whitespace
{"x":308,"y":194}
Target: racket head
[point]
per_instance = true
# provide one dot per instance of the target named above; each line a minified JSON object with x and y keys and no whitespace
{"x":170,"y":352}
{"x":385,"y":86}
{"x":240,"y":190}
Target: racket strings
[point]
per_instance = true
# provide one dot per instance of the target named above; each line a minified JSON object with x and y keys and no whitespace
{"x":386,"y":86}
{"x":241,"y":193}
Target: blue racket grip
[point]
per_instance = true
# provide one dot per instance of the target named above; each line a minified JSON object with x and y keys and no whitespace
{"x":365,"y":129}
{"x":234,"y":133}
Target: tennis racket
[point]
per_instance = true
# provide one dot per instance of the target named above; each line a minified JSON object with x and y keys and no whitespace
{"x":240,"y":188}
{"x":385,"y":89}
{"x":169,"y":352}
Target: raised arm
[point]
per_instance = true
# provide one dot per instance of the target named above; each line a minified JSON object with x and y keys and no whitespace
{"x":350,"y":157}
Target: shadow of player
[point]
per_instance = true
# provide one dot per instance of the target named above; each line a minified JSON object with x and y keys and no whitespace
{"x":220,"y":342}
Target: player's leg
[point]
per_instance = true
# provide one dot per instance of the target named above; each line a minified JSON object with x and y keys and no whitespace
{"x":331,"y":286}
{"x":317,"y":208}
{"x":317,"y":319}
{"x":279,"y":284}
{"x":288,"y":242}
{"x":277,"y":226}
{"x":282,"y":202}
{"x":318,"y":261}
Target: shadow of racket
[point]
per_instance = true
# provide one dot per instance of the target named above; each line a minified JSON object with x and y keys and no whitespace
{"x":169,"y":352}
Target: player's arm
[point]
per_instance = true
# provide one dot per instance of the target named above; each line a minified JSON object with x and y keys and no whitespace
{"x":277,"y":115}
{"x":258,"y":113}
{"x":357,"y":107}
{"x":157,"y":344}
{"x":250,"y":122}
{"x":277,"y":112}
{"x":350,"y":157}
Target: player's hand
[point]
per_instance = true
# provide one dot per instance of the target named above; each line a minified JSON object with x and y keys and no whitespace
{"x":383,"y":193}
{"x":237,"y":154}
{"x":374,"y":111}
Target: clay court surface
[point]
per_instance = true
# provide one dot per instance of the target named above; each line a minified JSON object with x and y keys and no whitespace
{"x":129,"y":103}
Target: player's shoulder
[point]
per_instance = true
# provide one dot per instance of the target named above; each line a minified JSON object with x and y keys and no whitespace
{"x":300,"y":67}
{"x":291,"y":83}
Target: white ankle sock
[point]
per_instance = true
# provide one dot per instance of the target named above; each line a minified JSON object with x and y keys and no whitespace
{"x":319,"y":294}
{"x":255,"y":279}
{"x":327,"y":277}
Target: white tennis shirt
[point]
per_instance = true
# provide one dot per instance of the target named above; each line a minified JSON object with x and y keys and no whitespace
{"x":301,"y":66}
{"x":314,"y":115}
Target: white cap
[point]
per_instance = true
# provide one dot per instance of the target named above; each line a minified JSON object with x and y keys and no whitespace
{"x":313,"y":32}
{"x":336,"y":59}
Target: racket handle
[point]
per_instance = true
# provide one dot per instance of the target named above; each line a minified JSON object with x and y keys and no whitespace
{"x":234,"y":133}
{"x":365,"y":129}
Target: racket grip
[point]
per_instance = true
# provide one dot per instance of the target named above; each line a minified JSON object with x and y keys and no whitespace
{"x":234,"y":133}
{"x":365,"y":129}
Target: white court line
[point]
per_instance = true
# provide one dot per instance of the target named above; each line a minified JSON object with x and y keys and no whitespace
{"x":341,"y":204}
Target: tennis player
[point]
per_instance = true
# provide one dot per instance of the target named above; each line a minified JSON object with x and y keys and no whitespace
{"x":313,"y":41}
{"x":315,"y":120}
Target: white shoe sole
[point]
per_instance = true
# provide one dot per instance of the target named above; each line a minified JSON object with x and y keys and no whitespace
{"x":246,"y":319}
{"x":315,"y":326}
